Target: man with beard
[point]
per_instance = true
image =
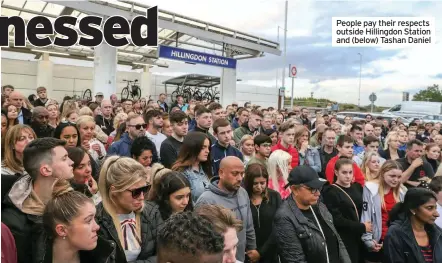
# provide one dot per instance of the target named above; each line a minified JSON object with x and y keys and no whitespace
{"x":135,"y":128}
{"x":40,"y":119}
{"x":42,"y":97}
{"x":154,"y":120}
{"x":304,"y":117}
{"x":226,"y":191}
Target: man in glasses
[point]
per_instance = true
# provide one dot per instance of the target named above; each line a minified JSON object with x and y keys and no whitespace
{"x":136,"y":127}
{"x":40,"y":119}
{"x":263,"y":146}
{"x":303,"y":227}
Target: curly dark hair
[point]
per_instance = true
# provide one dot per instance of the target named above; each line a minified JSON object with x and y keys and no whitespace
{"x":188,"y":233}
{"x":142,"y":144}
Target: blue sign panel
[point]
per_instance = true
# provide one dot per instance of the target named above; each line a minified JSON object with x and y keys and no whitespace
{"x":196,"y":57}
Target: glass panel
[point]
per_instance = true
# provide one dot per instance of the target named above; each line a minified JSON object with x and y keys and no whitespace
{"x":15,"y":3}
{"x":35,"y":5}
{"x":53,"y":9}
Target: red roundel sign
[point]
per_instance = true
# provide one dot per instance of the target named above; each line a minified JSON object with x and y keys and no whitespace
{"x":293,"y":71}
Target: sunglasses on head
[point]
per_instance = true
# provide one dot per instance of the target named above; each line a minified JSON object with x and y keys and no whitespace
{"x":138,"y":126}
{"x":137,"y":192}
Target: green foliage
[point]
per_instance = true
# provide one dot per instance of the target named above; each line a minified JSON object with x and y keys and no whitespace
{"x":431,"y":93}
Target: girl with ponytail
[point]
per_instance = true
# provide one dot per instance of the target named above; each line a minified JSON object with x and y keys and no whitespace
{"x":69,"y":222}
{"x":123,"y":215}
{"x":413,"y":236}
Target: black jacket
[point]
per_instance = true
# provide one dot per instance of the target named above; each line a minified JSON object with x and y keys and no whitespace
{"x":386,"y":154}
{"x":262,"y":221}
{"x":106,"y":125}
{"x":27,"y":229}
{"x":345,"y":219}
{"x":27,"y":116}
{"x":43,"y":131}
{"x":104,"y":252}
{"x":299,"y":239}
{"x":400,"y":245}
{"x":151,"y":222}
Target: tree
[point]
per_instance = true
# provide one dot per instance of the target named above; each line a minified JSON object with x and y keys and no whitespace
{"x":431,"y":93}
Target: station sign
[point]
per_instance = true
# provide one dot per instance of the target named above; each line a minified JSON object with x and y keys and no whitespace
{"x":195,"y":57}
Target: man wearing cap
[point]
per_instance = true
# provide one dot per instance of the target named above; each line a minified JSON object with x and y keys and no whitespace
{"x":303,"y":227}
{"x":99,"y":97}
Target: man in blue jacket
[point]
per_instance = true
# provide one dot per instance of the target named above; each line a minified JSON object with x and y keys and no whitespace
{"x":222,"y":148}
{"x":136,"y":127}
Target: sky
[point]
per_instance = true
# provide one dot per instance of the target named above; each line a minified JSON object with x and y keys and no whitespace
{"x":328,"y":72}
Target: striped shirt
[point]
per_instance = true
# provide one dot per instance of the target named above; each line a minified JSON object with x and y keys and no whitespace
{"x":427,"y":252}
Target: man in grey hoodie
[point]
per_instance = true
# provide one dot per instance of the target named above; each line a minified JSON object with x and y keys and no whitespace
{"x":226,"y":191}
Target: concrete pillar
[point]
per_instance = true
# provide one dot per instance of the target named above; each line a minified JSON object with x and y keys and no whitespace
{"x":105,"y":71}
{"x":228,"y":85}
{"x":147,"y":89}
{"x":45,"y":74}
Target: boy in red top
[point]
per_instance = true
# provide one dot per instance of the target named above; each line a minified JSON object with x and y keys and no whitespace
{"x":345,"y":148}
{"x":287,"y":131}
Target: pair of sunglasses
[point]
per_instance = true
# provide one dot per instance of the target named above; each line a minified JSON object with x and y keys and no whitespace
{"x":137,"y":192}
{"x":138,"y":126}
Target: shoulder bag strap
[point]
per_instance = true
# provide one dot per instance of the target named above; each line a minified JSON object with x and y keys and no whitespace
{"x":356,"y":210}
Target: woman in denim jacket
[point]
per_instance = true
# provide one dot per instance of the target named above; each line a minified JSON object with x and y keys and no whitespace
{"x":194,"y":161}
{"x":308,"y":155}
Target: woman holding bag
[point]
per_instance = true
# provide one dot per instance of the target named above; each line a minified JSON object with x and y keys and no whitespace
{"x":344,"y":201}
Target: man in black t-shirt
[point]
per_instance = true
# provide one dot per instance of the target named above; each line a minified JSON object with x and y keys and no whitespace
{"x":170,"y":147}
{"x":414,"y":168}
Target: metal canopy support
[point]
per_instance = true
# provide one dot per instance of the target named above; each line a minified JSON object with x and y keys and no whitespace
{"x":106,"y":10}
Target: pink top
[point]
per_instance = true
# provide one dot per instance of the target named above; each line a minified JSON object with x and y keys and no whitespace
{"x":284,"y":192}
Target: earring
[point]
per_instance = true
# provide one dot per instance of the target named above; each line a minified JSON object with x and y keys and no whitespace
{"x":64,"y":237}
{"x":413,"y":213}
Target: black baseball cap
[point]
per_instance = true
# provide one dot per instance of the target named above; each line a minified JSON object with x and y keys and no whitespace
{"x":305,"y":175}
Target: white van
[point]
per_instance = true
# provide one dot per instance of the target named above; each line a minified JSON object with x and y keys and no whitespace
{"x":410,"y":109}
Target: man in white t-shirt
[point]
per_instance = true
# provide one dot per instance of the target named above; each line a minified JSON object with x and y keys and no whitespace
{"x":154,"y":120}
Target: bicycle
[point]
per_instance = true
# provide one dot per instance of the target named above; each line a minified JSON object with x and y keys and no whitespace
{"x":134,"y":91}
{"x":87,"y":95}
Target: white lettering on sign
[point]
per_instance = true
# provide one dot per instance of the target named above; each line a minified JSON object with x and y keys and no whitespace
{"x":185,"y":55}
{"x":219,"y":61}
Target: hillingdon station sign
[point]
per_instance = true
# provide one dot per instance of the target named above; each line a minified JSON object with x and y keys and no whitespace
{"x":195,"y":57}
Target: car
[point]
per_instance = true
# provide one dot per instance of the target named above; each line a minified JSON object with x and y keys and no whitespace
{"x":432,"y":118}
{"x":361,"y":116}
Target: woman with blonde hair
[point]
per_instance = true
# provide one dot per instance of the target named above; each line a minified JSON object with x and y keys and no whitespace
{"x":119,"y":119}
{"x":370,"y":165}
{"x":379,"y":197}
{"x":86,"y":126}
{"x":16,"y":140}
{"x":279,"y":168}
{"x":123,"y":215}
{"x":54,"y":114}
{"x":67,"y":106}
{"x":247,"y":148}
{"x":99,"y":133}
{"x":391,"y":147}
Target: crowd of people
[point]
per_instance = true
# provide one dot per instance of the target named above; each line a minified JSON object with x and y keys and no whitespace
{"x":151,"y":181}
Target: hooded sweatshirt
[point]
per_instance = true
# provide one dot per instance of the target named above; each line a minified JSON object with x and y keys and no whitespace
{"x":238,"y":133}
{"x":22,"y":212}
{"x":372,"y":212}
{"x":239,"y":203}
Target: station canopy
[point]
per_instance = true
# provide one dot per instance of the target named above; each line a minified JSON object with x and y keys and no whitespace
{"x":174,"y":30}
{"x":194,"y":80}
